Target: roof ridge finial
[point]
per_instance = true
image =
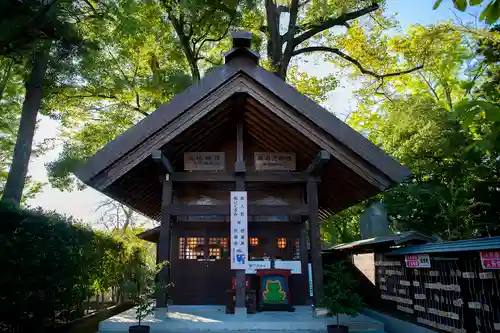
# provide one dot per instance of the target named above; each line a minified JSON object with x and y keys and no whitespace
{"x":242,"y":42}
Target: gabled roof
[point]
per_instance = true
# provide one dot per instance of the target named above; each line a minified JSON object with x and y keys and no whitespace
{"x":324,"y":119}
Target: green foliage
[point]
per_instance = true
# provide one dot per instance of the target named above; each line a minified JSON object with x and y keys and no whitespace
{"x":137,"y":65}
{"x":141,"y":61}
{"x":342,"y":227}
{"x":11,"y":98}
{"x":142,"y":288}
{"x":44,"y":40}
{"x":441,"y":123}
{"x":54,"y":264}
{"x":490,"y":14}
{"x":340,"y":291}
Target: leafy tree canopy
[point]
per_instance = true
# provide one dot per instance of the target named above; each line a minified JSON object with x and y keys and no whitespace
{"x":419,"y":120}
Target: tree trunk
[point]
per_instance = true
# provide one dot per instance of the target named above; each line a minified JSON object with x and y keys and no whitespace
{"x":22,"y":152}
{"x":178,"y":24}
{"x":274,"y":43}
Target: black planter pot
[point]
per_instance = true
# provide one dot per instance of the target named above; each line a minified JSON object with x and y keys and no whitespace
{"x":139,"y":329}
{"x":337,"y":329}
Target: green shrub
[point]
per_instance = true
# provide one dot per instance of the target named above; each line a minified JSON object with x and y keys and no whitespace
{"x":51,"y":265}
{"x":340,"y":291}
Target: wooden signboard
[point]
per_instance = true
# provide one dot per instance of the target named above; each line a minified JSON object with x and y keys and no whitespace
{"x":209,"y":161}
{"x":274,"y":161}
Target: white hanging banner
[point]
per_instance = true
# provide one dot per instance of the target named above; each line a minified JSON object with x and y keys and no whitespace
{"x":239,"y":230}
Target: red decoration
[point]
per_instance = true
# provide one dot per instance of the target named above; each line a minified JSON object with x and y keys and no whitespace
{"x":490,"y":259}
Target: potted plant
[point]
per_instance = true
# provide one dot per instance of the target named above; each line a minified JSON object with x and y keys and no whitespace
{"x":143,"y":309}
{"x":340,"y":295}
{"x":141,"y":290}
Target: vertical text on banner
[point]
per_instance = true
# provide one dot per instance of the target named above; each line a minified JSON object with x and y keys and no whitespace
{"x":239,"y":230}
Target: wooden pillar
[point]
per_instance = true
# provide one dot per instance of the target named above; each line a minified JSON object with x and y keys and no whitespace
{"x":164,"y":241}
{"x":239,"y":168}
{"x":304,"y":258}
{"x":315,"y":240}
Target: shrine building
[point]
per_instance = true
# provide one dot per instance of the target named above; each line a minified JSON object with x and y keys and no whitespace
{"x":240,"y":128}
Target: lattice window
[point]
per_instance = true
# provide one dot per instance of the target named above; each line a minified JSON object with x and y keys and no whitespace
{"x":220,"y":241}
{"x":296,"y":249}
{"x":214,"y":253}
{"x":281,"y":242}
{"x":216,"y":246}
{"x":253,"y":241}
{"x":191,"y":248}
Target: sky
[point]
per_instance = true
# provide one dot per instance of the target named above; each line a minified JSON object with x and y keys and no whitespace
{"x":83,"y":204}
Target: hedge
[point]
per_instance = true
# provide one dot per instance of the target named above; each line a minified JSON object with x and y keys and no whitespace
{"x":50,"y":265}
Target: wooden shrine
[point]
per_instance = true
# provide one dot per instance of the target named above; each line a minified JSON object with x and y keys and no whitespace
{"x":241,"y":128}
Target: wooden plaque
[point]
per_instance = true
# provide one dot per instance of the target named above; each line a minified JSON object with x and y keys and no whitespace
{"x":274,"y":161}
{"x":208,"y":161}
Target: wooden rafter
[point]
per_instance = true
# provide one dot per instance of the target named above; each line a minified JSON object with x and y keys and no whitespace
{"x":161,"y":160}
{"x":319,"y":162}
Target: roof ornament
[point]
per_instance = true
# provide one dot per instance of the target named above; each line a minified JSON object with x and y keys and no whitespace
{"x":242,"y":42}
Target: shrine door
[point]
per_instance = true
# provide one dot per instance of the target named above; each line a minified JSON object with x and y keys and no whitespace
{"x":200,"y":260}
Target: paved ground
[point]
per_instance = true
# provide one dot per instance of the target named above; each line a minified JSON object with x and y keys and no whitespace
{"x":187,"y":319}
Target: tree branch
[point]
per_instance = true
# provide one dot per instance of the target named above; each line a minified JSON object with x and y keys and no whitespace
{"x":353,"y":61}
{"x":341,"y":20}
{"x":287,"y":55}
{"x":210,"y":61}
{"x":429,"y":85}
{"x":137,"y":101}
{"x":221,"y":37}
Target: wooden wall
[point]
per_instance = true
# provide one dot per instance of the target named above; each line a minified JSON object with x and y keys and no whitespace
{"x":219,"y":193}
{"x":455,"y":295}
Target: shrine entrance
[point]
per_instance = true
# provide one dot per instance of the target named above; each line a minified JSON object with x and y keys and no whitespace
{"x":200,"y":263}
{"x":239,"y":129}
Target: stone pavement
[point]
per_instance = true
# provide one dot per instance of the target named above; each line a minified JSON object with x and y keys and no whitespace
{"x":211,"y":318}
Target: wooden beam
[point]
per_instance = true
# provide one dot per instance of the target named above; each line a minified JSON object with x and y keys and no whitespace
{"x":161,"y":160}
{"x":315,"y":241}
{"x":249,"y":177}
{"x":253,"y":210}
{"x":164,"y":242}
{"x":239,"y":166}
{"x":321,"y":160}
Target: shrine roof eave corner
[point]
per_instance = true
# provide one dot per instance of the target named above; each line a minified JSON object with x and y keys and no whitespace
{"x":318,"y":115}
{"x":150,"y":235}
